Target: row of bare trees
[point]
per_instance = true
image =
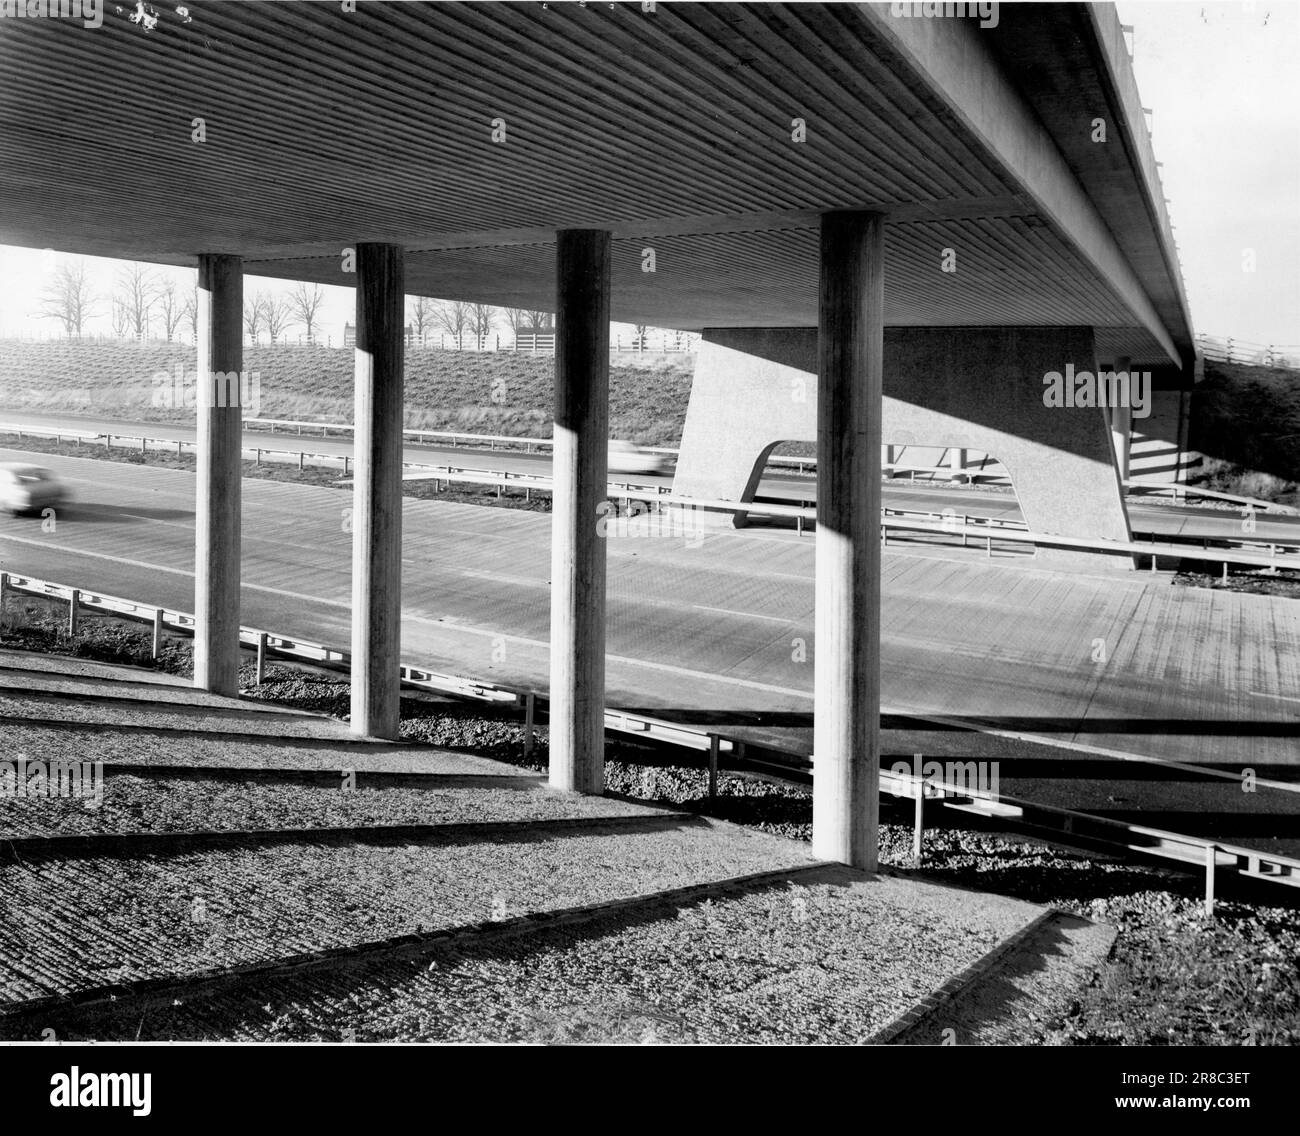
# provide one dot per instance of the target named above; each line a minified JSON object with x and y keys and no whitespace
{"x":142,"y":298}
{"x":458,"y":318}
{"x":275,"y":314}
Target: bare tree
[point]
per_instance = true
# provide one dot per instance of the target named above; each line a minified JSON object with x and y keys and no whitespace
{"x":482,"y":318}
{"x":304,"y":302}
{"x":254,"y":313}
{"x":191,"y":310}
{"x":68,"y":297}
{"x":118,"y":314}
{"x":137,"y":289}
{"x":171,"y":307}
{"x":541,"y":321}
{"x":423,"y":314}
{"x":277,"y":312}
{"x":641,"y":329}
{"x":452,"y":316}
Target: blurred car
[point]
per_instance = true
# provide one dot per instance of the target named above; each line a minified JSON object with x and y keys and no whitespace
{"x":29,"y":488}
{"x":628,"y":457}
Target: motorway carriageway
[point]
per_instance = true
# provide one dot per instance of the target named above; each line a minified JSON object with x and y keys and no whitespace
{"x":1165,"y":519}
{"x":718,"y":634}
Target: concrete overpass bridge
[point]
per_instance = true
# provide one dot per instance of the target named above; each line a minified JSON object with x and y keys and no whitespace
{"x":891,"y":228}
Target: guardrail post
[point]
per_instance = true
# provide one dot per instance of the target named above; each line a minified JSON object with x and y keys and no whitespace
{"x":530,"y":712}
{"x":301,"y":458}
{"x":345,"y":465}
{"x":1211,"y":868}
{"x":72,"y":614}
{"x":261,"y":657}
{"x":155,"y":648}
{"x":108,"y":441}
{"x":714,"y":743}
{"x":4,"y":579}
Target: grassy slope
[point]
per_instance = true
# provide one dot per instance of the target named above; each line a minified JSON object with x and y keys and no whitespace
{"x":1246,"y":421}
{"x":497,"y":393}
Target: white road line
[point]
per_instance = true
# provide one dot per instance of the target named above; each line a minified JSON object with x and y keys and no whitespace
{"x":1281,"y":697}
{"x":63,"y":548}
{"x":743,"y":614}
{"x":486,"y":633}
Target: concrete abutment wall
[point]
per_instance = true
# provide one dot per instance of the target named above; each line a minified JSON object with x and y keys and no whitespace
{"x":979,"y":389}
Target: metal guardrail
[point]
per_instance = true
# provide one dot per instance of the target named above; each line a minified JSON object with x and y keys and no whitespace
{"x":1066,"y":826}
{"x":491,"y":440}
{"x":1178,"y":490}
{"x":1229,"y":551}
{"x":1228,"y":349}
{"x":270,"y":644}
{"x":1078,"y":829}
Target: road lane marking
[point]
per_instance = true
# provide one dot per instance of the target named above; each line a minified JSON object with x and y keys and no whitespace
{"x":67,"y":551}
{"x":1265,"y":694}
{"x":346,"y":605}
{"x":743,"y":614}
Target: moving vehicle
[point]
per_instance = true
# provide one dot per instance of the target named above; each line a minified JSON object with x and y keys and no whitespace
{"x":29,"y":488}
{"x":628,"y":457}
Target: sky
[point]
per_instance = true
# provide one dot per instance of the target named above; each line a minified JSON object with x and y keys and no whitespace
{"x":1221,"y":83}
{"x":1220,"y":80}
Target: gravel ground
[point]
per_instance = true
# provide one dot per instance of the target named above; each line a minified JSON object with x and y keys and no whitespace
{"x":1193,"y":574}
{"x":811,"y":962}
{"x":130,"y":713}
{"x":68,"y":924}
{"x":160,"y":804}
{"x":1174,"y":977}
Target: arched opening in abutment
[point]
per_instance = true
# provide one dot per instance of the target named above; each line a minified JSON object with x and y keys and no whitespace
{"x":969,"y":493}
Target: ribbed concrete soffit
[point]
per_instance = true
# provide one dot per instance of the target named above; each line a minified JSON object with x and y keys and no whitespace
{"x":468,"y":133}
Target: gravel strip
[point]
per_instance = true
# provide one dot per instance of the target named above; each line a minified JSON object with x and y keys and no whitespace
{"x":66,"y":924}
{"x":830,"y":958}
{"x":75,"y":742}
{"x":132,"y":714}
{"x":132,"y":804}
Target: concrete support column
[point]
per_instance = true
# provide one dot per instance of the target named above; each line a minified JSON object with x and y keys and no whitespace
{"x":1121,"y":425}
{"x":217,"y":511}
{"x":846,"y":730}
{"x":577,"y":711}
{"x":956,"y":464}
{"x":377,"y":492}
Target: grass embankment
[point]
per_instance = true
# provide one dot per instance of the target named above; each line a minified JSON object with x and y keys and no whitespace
{"x":1175,"y":977}
{"x":1246,"y":421}
{"x":489,"y":393}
